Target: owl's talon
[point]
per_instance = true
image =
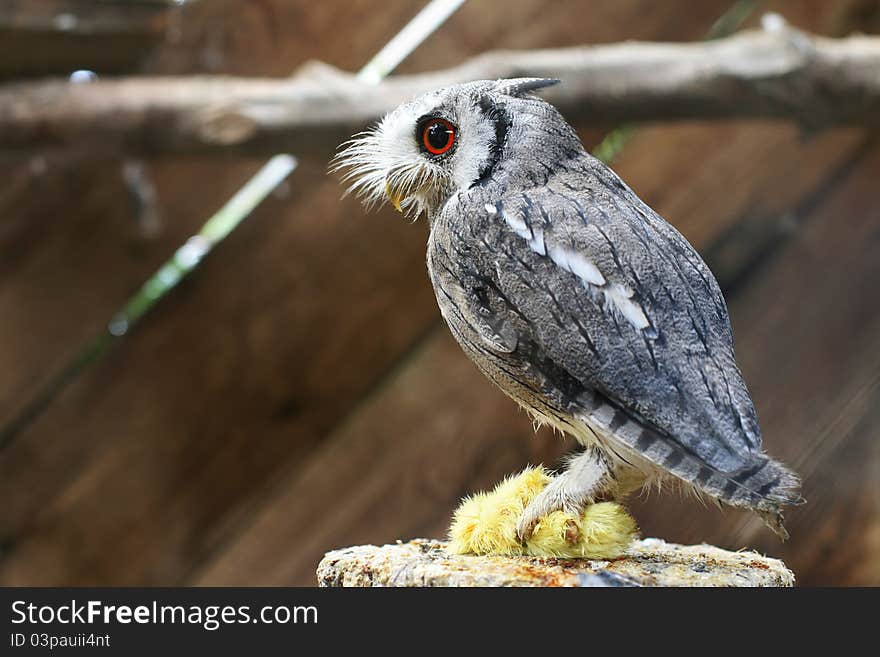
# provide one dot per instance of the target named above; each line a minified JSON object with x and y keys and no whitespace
{"x":524,"y":531}
{"x":525,"y":527}
{"x":572,"y":532}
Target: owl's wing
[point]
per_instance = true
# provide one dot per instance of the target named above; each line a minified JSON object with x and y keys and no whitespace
{"x":615,"y":297}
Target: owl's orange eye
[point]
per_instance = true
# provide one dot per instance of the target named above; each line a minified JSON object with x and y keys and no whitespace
{"x":438,"y":135}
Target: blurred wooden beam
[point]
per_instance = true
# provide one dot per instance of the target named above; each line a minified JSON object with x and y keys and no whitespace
{"x":779,"y":73}
{"x":53,"y":37}
{"x":83,"y":16}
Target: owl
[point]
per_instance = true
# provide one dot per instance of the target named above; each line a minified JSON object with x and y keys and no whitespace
{"x":574,"y":297}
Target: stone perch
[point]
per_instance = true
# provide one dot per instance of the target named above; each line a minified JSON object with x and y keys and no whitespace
{"x":649,"y":562}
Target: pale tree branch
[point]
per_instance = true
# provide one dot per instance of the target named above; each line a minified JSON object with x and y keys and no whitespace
{"x":779,"y":74}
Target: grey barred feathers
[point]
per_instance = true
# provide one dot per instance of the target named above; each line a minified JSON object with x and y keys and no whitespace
{"x":573,"y":296}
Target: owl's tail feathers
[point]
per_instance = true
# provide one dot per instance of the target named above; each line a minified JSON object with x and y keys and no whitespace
{"x":764,"y":486}
{"x":761,"y":484}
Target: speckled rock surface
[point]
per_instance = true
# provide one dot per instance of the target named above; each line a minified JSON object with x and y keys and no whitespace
{"x":650,"y":562}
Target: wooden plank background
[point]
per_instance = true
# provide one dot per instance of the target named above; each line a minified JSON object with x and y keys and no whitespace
{"x":299,"y":392}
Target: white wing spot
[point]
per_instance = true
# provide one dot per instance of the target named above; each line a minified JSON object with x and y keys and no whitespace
{"x":617,"y":297}
{"x":577,"y":264}
{"x":620,"y":297}
{"x":519,"y":226}
{"x":584,"y":268}
{"x":560,"y":257}
{"x":537,"y":244}
{"x":514,"y":222}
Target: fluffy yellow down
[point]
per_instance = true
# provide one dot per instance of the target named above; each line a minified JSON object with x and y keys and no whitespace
{"x":486,"y":524}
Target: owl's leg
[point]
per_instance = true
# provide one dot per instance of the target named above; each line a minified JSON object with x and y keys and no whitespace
{"x":586,"y":476}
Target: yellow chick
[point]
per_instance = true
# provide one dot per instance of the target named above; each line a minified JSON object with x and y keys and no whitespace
{"x":485,"y":523}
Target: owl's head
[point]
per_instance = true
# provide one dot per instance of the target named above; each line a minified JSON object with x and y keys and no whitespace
{"x":448,"y":140}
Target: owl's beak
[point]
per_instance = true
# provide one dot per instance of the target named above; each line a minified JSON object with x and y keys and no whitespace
{"x":395,"y":195}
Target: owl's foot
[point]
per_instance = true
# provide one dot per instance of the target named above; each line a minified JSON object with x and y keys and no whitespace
{"x":553,"y":498}
{"x":525,"y":532}
{"x":572,"y":491}
{"x":485,"y":523}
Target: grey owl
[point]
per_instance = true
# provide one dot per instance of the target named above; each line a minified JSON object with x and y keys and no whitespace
{"x":574,"y":297}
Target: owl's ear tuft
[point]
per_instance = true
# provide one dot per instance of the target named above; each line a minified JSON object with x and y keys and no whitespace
{"x":522,"y":86}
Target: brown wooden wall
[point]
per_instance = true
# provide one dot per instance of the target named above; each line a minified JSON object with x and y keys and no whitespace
{"x":299,"y":393}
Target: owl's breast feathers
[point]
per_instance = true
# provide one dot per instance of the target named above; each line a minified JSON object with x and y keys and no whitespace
{"x":574,"y":290}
